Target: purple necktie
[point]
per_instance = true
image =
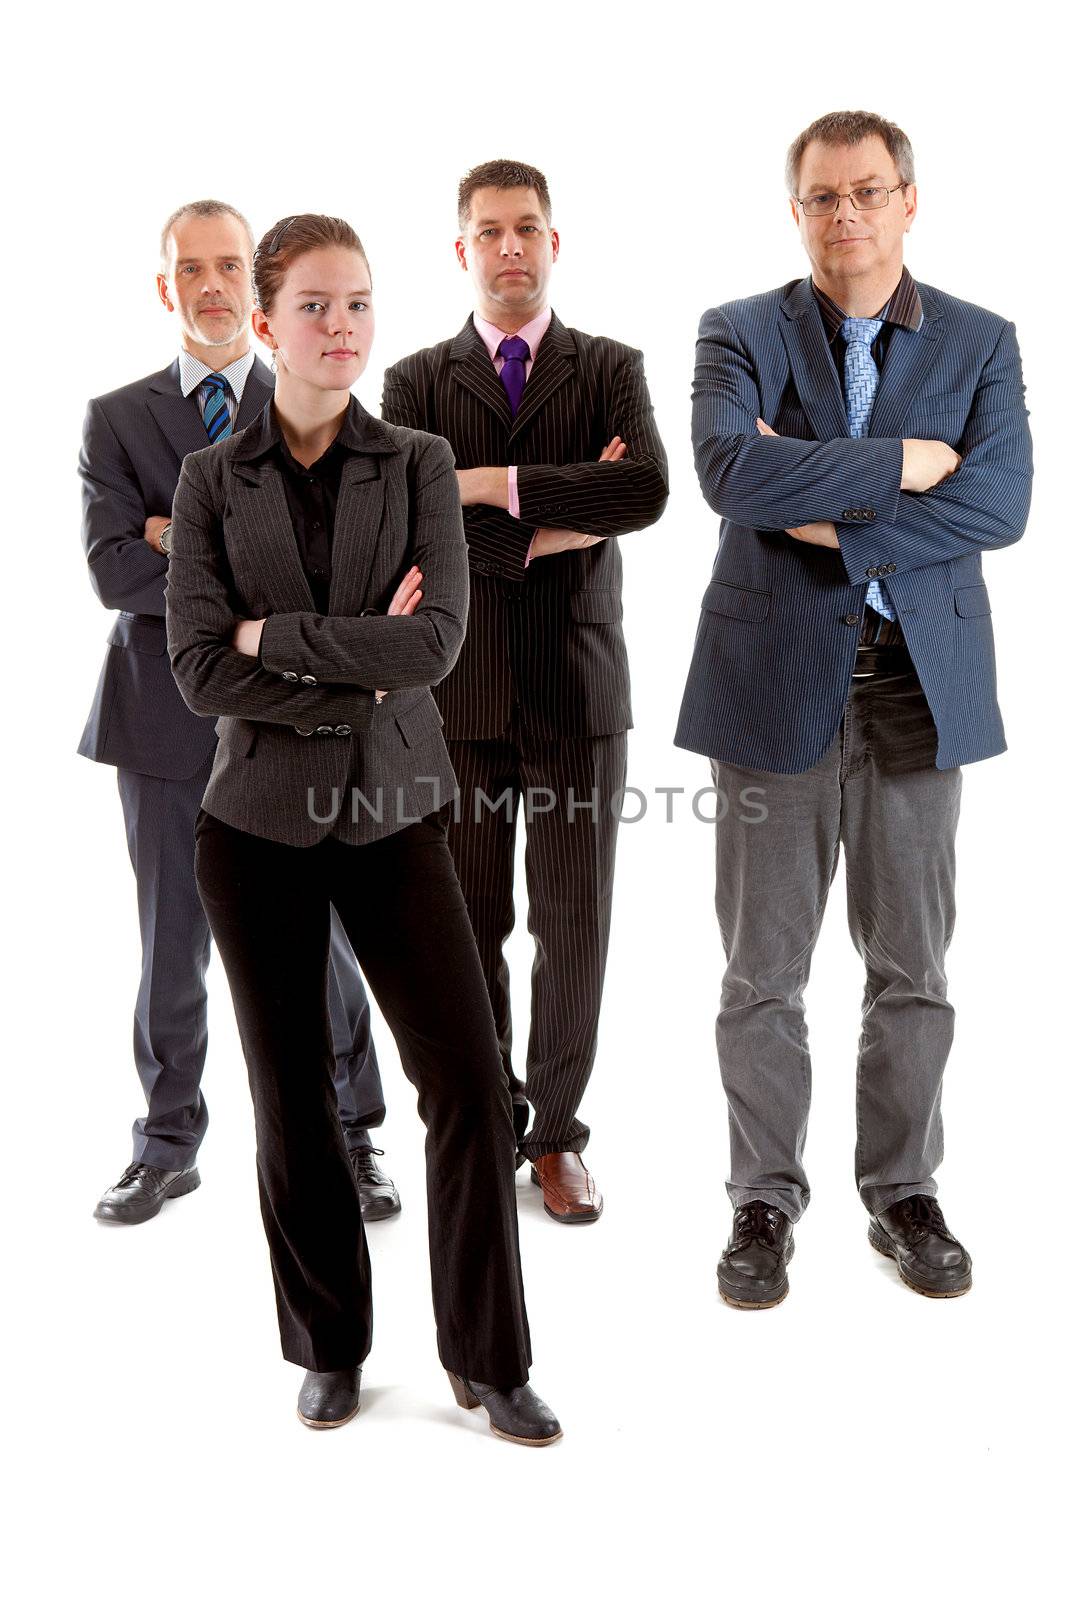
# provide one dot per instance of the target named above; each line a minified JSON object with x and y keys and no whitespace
{"x":516,"y":353}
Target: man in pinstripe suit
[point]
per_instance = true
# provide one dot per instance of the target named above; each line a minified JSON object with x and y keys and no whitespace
{"x":557,"y":455}
{"x":134,"y":444}
{"x":865,"y":439}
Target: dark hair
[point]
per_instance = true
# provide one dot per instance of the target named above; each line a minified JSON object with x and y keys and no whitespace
{"x":502,"y":175}
{"x":290,"y":239}
{"x":851,"y":127}
{"x":201,"y":208}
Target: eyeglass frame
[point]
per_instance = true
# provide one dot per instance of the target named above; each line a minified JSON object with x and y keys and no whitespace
{"x":848,"y":194}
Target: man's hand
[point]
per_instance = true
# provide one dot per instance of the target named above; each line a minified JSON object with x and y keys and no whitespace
{"x":152,"y":529}
{"x":245,"y":638}
{"x":823,"y":533}
{"x":483,"y":486}
{"x":553,"y":541}
{"x":927,"y":462}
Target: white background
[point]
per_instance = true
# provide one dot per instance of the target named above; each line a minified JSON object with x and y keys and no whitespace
{"x":858,"y":1440}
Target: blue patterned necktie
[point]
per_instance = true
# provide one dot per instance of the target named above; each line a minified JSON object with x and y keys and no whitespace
{"x":861,"y":386}
{"x":216,"y":411}
{"x":516,"y":353}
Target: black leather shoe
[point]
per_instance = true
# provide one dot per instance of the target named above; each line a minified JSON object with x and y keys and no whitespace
{"x":329,"y":1399}
{"x":141,"y":1191}
{"x":517,"y":1415}
{"x":929,"y":1259}
{"x":751,"y":1271}
{"x":378,"y":1195}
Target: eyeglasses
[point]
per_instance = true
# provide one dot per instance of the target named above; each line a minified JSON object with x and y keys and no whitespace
{"x":824,"y":205}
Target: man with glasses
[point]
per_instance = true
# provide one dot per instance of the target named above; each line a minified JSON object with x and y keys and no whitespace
{"x":864,"y":439}
{"x":134,"y":443}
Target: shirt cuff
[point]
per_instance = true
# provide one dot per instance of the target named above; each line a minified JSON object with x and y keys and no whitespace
{"x":513,"y":491}
{"x":529,"y":551}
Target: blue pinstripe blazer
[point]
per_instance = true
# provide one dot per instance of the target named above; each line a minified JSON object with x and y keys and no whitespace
{"x":777,"y":636}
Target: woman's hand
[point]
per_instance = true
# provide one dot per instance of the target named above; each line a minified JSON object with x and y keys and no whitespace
{"x":246,"y":637}
{"x":402,"y":604}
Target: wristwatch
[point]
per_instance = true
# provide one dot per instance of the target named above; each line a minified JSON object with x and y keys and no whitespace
{"x":164,"y":538}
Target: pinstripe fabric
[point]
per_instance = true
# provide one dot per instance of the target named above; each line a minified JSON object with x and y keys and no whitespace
{"x":234,"y":554}
{"x":548,"y":636}
{"x":776,"y":640}
{"x":540,"y":697}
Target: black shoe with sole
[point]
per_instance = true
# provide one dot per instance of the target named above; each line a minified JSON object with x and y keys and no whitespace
{"x":378,"y":1196}
{"x":518,"y":1415}
{"x":329,"y":1399}
{"x":929,"y":1258}
{"x":141,"y":1192}
{"x":751,"y":1270}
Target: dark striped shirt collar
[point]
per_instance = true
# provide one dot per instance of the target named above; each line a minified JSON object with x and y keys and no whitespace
{"x":903,"y":308}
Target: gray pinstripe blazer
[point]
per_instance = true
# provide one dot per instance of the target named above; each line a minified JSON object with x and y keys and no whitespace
{"x":548,"y":635}
{"x":299,"y":728}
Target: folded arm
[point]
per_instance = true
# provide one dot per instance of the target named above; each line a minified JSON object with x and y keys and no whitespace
{"x":774,"y":483}
{"x":392,"y":652}
{"x":126,"y":572}
{"x":983,"y":505}
{"x":612,"y":497}
{"x":202,"y":610}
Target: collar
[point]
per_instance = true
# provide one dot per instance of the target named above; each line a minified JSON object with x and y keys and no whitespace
{"x":533,"y":332}
{"x":903,"y":308}
{"x":358,"y":432}
{"x":192,"y":372}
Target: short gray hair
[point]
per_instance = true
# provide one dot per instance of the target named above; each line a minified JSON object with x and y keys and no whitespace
{"x":851,"y":127}
{"x":202,"y":208}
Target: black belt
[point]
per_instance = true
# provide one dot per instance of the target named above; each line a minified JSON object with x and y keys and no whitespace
{"x":872,"y":658}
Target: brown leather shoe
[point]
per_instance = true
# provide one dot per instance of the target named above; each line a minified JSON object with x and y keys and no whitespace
{"x":569,"y":1191}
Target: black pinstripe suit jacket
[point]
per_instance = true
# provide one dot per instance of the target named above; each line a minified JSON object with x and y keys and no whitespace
{"x":234,"y":554}
{"x":548,"y":636}
{"x":776,"y":641}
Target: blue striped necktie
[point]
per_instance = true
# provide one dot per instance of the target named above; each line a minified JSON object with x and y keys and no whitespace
{"x":861,"y":386}
{"x":216,"y":411}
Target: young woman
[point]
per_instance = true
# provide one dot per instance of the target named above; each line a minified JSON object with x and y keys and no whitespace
{"x":317,"y":588}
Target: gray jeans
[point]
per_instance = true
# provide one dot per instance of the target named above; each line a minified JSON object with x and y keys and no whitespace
{"x":877,"y":793}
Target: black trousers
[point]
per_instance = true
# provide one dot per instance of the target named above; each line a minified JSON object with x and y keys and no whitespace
{"x":566,"y":787}
{"x":268,"y":906}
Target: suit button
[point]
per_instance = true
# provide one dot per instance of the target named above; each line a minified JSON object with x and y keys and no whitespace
{"x":324,"y":727}
{"x":892,"y":567}
{"x":851,"y":620}
{"x":309,"y":680}
{"x":846,"y":515}
{"x":290,"y":677}
{"x":343,"y":730}
{"x":872,"y":572}
{"x":868,"y":515}
{"x":370,"y":611}
{"x":305,"y":733}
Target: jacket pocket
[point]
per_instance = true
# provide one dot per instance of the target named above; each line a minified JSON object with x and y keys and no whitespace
{"x":972,"y":601}
{"x":596,"y":605}
{"x":744,"y":605}
{"x":418,"y":722}
{"x":147,"y":634}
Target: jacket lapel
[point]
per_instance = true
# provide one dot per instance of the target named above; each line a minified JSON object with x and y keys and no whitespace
{"x":356,"y":542}
{"x":257,"y":502}
{"x":472,"y":368}
{"x":814,"y":374}
{"x":178,"y":416}
{"x":259,"y":386}
{"x":907,"y":362}
{"x":553,"y":367}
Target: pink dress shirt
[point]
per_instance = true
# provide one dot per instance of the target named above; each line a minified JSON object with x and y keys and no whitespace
{"x":533,"y":332}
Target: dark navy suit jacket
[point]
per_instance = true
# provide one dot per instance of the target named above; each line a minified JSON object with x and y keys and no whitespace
{"x":777,"y":636}
{"x":134,"y":443}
